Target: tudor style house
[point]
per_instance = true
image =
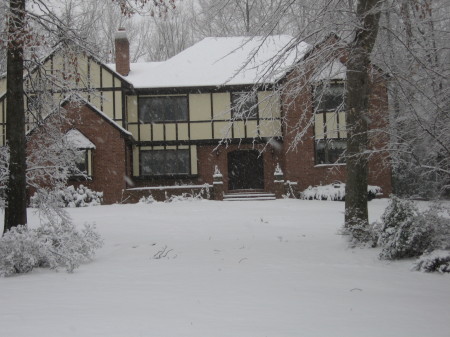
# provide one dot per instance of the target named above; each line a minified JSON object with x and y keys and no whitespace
{"x":220,"y":105}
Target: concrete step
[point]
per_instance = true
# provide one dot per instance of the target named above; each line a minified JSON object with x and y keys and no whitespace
{"x":249,"y":199}
{"x":248,"y":196}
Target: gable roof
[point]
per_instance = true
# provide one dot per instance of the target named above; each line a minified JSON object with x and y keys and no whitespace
{"x":218,"y":61}
{"x":78,"y":140}
{"x":82,"y":100}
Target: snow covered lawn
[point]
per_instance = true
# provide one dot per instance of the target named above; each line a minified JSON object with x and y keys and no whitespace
{"x":273,"y":268}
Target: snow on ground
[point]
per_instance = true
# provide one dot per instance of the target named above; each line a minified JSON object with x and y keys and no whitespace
{"x":273,"y":268}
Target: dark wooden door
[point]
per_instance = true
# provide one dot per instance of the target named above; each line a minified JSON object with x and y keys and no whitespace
{"x":245,"y":170}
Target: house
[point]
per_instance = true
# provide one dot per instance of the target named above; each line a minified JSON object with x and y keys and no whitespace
{"x":219,"y":106}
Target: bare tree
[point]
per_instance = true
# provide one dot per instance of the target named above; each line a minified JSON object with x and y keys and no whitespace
{"x":415,"y":54}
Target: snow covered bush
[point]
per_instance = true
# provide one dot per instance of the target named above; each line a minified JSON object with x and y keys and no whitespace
{"x":68,"y":197}
{"x":363,"y":234}
{"x":20,"y":251}
{"x":194,"y":195}
{"x":406,"y":232}
{"x":51,"y":245}
{"x":436,"y":261}
{"x":334,"y":192}
{"x":184,"y":197}
{"x":147,"y":200}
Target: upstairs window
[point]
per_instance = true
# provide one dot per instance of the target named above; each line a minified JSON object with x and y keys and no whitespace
{"x":329,"y":97}
{"x":330,"y":127}
{"x":244,"y":105}
{"x":163,"y":109}
{"x":165,"y":162}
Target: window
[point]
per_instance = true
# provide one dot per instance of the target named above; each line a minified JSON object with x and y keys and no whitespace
{"x":328,"y":151}
{"x":163,"y":109}
{"x":165,"y":162}
{"x":329,"y":129}
{"x":330,"y":97}
{"x":81,"y":148}
{"x":244,"y":105}
{"x":81,"y":161}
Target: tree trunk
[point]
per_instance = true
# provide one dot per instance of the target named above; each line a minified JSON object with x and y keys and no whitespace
{"x":16,"y":208}
{"x":358,"y":67}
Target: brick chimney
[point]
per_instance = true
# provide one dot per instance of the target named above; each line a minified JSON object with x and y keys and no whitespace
{"x":122,"y":52}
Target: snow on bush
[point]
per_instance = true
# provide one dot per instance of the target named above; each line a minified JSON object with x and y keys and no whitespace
{"x":193,"y":196}
{"x":51,"y":245}
{"x":147,"y":200}
{"x":436,"y":261}
{"x":335,"y":191}
{"x":69,"y":197}
{"x":406,"y":232}
{"x":184,"y":197}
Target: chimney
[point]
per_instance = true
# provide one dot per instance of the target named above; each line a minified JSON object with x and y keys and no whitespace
{"x":122,"y":52}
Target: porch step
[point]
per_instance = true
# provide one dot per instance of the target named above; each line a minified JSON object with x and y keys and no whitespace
{"x":248,"y":196}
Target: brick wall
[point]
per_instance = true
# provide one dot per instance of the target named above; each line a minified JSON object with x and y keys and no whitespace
{"x":122,"y":54}
{"x":209,"y":157}
{"x":109,"y":158}
{"x":299,"y":164}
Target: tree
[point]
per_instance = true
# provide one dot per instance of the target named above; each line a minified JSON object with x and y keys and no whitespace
{"x":15,"y":210}
{"x":26,"y":32}
{"x":415,"y":54}
{"x":358,"y":67}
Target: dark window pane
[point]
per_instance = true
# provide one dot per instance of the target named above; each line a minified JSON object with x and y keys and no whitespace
{"x":80,"y":164}
{"x":320,"y":152}
{"x":81,"y":161}
{"x":171,"y":162}
{"x":328,"y":151}
{"x":183,"y":161}
{"x":330,"y":97}
{"x":165,"y":162}
{"x":163,"y":108}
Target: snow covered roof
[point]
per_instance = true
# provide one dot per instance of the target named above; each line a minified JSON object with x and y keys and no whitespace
{"x":217,"y":61}
{"x":78,"y":140}
{"x":334,"y":70}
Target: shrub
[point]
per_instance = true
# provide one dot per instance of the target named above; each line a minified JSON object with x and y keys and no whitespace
{"x":68,"y":197}
{"x":363,"y":234}
{"x":436,"y":261}
{"x":405,"y":232}
{"x":51,"y":245}
{"x":335,"y":192}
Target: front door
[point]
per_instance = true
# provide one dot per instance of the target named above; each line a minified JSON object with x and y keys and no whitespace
{"x":245,"y":170}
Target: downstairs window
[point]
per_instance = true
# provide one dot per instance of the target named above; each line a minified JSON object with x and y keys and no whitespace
{"x":165,"y":162}
{"x":328,"y":151}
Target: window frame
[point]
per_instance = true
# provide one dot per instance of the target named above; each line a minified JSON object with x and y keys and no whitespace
{"x":164,"y":163}
{"x":240,"y":100}
{"x":148,"y":118}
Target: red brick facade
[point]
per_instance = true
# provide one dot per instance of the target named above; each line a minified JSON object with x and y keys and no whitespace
{"x":299,"y":161}
{"x":210,"y":156}
{"x":110,"y":158}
